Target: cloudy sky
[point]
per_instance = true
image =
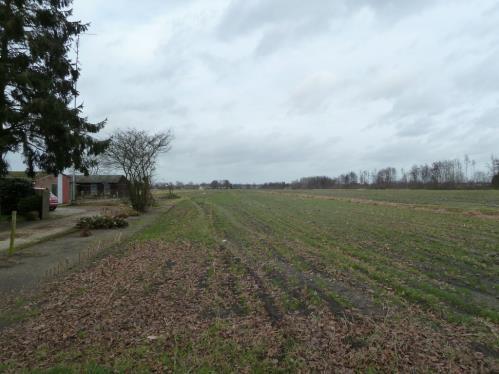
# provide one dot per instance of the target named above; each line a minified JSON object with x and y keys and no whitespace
{"x":259,"y":90}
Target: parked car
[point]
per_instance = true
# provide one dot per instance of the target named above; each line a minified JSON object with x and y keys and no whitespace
{"x":53,"y":201}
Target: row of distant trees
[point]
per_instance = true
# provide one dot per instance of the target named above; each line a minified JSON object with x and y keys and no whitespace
{"x":438,"y":174}
{"x":223,"y":184}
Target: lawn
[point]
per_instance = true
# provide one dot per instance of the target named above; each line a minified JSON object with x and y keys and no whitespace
{"x":257,"y":281}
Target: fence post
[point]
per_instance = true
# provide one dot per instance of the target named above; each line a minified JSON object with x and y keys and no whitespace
{"x":12,"y":232}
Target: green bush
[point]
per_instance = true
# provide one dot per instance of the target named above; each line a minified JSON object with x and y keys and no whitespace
{"x":101,"y":222}
{"x":27,"y":205}
{"x":495,"y":181}
{"x":12,"y":190}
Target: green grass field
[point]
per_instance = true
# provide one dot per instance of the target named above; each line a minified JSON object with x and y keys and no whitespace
{"x":303,"y":281}
{"x":486,"y":200}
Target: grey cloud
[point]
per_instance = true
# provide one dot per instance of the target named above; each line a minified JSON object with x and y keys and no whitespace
{"x":482,"y":76}
{"x":416,"y":127}
{"x":245,"y":16}
{"x":164,"y":104}
{"x":126,"y":11}
{"x":269,"y":149}
{"x":414,"y":114}
{"x":387,"y":83}
{"x":281,"y":22}
{"x":285,"y":22}
{"x":313,"y":93}
{"x":394,"y":10}
{"x":404,"y":153}
{"x":489,"y":119}
{"x":426,"y":102}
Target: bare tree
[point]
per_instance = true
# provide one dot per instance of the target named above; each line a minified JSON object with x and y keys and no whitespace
{"x":494,"y":165}
{"x":94,"y":164}
{"x":136,"y":152}
{"x":386,"y":177}
{"x":467,"y":162}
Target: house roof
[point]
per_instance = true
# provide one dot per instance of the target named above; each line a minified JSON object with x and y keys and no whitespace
{"x":82,"y":179}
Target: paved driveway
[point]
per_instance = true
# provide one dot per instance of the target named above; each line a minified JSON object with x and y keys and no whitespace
{"x":60,"y":221}
{"x":28,"y":268}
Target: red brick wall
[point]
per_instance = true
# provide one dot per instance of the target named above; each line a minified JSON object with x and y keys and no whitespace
{"x":49,"y":180}
{"x":46,"y":182}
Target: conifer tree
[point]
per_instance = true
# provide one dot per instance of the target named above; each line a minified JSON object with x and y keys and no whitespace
{"x":38,"y":86}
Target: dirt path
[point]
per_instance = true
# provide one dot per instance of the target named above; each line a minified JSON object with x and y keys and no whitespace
{"x":28,"y":268}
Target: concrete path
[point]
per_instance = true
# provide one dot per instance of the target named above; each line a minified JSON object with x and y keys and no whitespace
{"x":28,"y":268}
{"x":60,"y":221}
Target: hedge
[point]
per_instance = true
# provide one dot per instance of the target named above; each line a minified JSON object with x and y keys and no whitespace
{"x":12,"y":190}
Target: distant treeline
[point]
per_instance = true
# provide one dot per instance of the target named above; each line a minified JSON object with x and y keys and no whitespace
{"x":438,"y":174}
{"x":223,"y":184}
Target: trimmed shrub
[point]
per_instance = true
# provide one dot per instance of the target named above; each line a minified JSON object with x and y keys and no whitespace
{"x":27,"y":205}
{"x":495,"y":181}
{"x":12,"y":190}
{"x":101,"y":222}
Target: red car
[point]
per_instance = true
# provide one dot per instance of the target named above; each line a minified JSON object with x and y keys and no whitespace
{"x":53,"y":201}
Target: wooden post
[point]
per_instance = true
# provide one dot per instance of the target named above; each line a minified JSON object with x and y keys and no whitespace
{"x":12,"y":232}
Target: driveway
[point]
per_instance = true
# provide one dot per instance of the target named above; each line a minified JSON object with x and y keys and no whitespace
{"x":28,"y":268}
{"x":60,"y":221}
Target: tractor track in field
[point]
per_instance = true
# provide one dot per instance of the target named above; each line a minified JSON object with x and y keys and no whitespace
{"x":319,"y":282}
{"x":231,"y":252}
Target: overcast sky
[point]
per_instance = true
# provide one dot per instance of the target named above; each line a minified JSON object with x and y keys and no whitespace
{"x":259,"y":90}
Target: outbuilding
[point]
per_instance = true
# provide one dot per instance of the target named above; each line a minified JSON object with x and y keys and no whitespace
{"x":101,"y":186}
